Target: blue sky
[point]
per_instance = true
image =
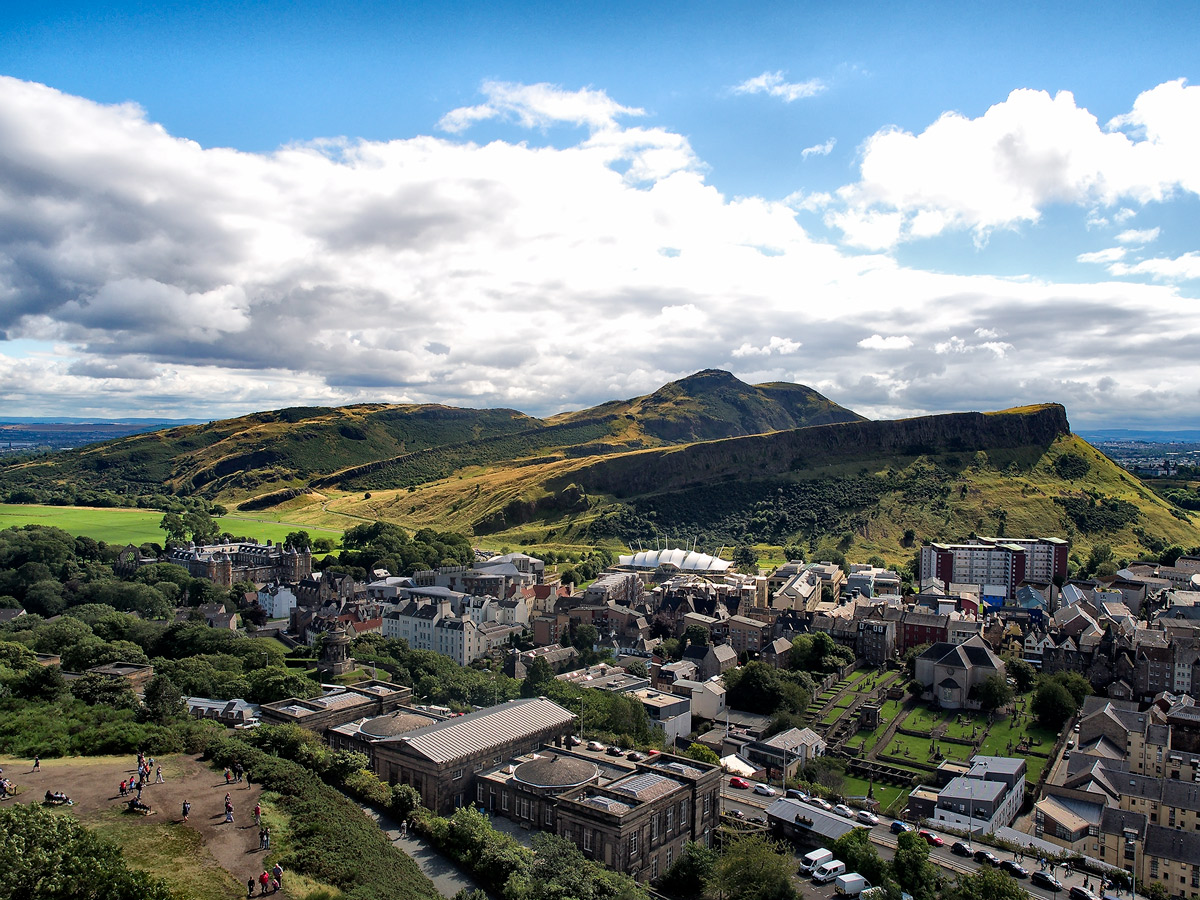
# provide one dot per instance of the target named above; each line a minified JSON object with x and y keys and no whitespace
{"x":211,"y":209}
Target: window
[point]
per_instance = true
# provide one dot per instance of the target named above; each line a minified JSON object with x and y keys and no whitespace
{"x":654,"y":828}
{"x":548,"y":814}
{"x":707,"y":804}
{"x":633,"y":844}
{"x":504,"y":801}
{"x":458,"y":773}
{"x":1154,"y":868}
{"x":682,"y":813}
{"x":670,"y":823}
{"x":668,"y":857}
{"x":587,"y":839}
{"x":479,"y":793}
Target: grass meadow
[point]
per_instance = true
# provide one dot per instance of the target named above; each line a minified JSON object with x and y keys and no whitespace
{"x":138,"y":526}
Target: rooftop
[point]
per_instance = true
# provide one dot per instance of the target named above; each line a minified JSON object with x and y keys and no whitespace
{"x":486,"y":729}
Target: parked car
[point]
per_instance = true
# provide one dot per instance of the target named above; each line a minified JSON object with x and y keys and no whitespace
{"x":1046,"y":880}
{"x":821,"y":803}
{"x":735,"y":814}
{"x":826,"y":872}
{"x":794,"y":794}
{"x":899,"y":827}
{"x":933,"y":840}
{"x":1013,"y":869}
{"x":614,"y":750}
{"x":844,"y":811}
{"x":765,"y":789}
{"x":759,"y":820}
{"x":634,"y":756}
{"x":1080,"y":893}
{"x":958,"y":848}
{"x":574,"y":740}
{"x":989,"y":858}
{"x":867,"y":817}
{"x":653,"y":752}
{"x":595,"y":746}
{"x":850,"y":885}
{"x":740,"y":783}
{"x":813,"y":860}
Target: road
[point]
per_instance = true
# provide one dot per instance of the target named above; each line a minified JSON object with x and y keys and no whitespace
{"x":751,"y":804}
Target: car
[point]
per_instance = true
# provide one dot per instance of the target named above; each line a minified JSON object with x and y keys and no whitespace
{"x":958,"y":848}
{"x":867,"y":817}
{"x":899,"y":827}
{"x":735,"y":814}
{"x":1080,"y":893}
{"x":595,"y":746}
{"x":765,"y":789}
{"x":1046,"y":880}
{"x":653,"y":752}
{"x":987,"y":857}
{"x":740,"y":783}
{"x":933,"y":840}
{"x":614,"y":750}
{"x":634,"y":756}
{"x":821,"y":803}
{"x":794,"y":794}
{"x":574,"y":741}
{"x":844,"y":811}
{"x":759,"y":820}
{"x":1076,"y":729}
{"x":1013,"y":869}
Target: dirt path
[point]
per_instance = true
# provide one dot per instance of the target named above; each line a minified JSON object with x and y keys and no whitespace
{"x":93,"y":784}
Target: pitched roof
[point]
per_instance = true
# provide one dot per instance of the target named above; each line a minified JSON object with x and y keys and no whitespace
{"x":485,"y":729}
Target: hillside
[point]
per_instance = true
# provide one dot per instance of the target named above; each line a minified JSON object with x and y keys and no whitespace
{"x":376,"y":446}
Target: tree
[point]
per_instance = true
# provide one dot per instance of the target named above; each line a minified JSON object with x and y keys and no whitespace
{"x":855,"y":849}
{"x":690,"y":874}
{"x":701,"y":753}
{"x":93,"y":688}
{"x":405,"y":800}
{"x":1021,"y":672}
{"x":993,"y":693}
{"x":54,"y":857}
{"x":585,"y":637}
{"x":1100,"y":555}
{"x":568,"y":576}
{"x":278,"y":683}
{"x":912,"y":869}
{"x":986,"y":884}
{"x":753,"y":868}
{"x":40,"y":683}
{"x":172,"y":524}
{"x":538,"y":678}
{"x":300,"y":540}
{"x":637,"y":668}
{"x":828,"y":771}
{"x":696,"y":635}
{"x":1052,"y":704}
{"x":162,"y":700}
{"x":746,"y":559}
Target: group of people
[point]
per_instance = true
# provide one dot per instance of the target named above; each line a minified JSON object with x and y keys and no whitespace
{"x":57,"y":798}
{"x":7,"y":788}
{"x":145,"y":765}
{"x":269,"y":882}
{"x":235,"y":774}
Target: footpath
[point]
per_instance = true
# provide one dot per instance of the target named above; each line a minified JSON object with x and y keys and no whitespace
{"x":445,"y":875}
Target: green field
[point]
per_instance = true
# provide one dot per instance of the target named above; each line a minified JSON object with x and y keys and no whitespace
{"x":138,"y":526}
{"x":888,"y":795}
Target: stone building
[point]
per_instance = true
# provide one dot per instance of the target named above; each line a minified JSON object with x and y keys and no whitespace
{"x":367,"y":698}
{"x":224,"y":564}
{"x":441,"y":761}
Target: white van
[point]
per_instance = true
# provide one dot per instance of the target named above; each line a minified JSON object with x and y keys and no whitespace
{"x":811,"y":861}
{"x":826,"y":872}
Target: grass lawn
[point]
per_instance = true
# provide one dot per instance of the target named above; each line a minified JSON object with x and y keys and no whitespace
{"x":833,"y":715}
{"x":174,"y":854}
{"x":886,"y":794}
{"x":923,"y":719}
{"x":857,"y":676}
{"x":139,"y":526}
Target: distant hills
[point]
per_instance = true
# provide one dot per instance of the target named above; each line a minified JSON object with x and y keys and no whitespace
{"x":706,"y":458}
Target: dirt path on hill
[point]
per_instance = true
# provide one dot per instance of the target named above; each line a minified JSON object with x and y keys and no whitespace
{"x":93,"y":785}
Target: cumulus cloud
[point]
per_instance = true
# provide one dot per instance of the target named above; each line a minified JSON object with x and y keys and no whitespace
{"x":1107,"y":255}
{"x":773,"y":84}
{"x":819,"y":149}
{"x":154,"y":276}
{"x":1135,"y":236}
{"x":1181,"y":268}
{"x":777,"y":345}
{"x":539,"y":106}
{"x":891,"y":342}
{"x":1005,"y":167}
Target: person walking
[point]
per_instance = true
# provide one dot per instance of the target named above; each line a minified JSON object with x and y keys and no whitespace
{"x":187,"y":808}
{"x":227,"y":775}
{"x":249,"y":888}
{"x":264,"y":879}
{"x":229,"y":812}
{"x":262,"y":839}
{"x":37,"y":763}
{"x":277,"y":871}
{"x":266,"y":838}
{"x":124,"y":790}
{"x":159,"y":779}
{"x":258,"y":814}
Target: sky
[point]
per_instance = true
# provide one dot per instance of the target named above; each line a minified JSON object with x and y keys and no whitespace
{"x":213,"y":209}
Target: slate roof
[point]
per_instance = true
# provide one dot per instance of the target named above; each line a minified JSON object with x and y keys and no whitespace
{"x":485,"y":729}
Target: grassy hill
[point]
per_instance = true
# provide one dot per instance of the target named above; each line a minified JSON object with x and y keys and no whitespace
{"x":707,"y":458}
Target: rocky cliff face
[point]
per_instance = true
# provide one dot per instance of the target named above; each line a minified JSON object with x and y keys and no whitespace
{"x":803,"y":448}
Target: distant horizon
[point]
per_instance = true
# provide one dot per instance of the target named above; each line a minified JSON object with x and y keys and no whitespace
{"x":211,"y":209}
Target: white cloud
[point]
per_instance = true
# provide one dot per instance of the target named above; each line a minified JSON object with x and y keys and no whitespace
{"x":539,"y":106}
{"x":1107,"y":255}
{"x":776,"y":345}
{"x":156,"y":277}
{"x":1144,"y":236}
{"x":819,"y":149}
{"x":773,"y":85}
{"x":1182,"y":268}
{"x":891,"y":342}
{"x":1004,"y":168}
